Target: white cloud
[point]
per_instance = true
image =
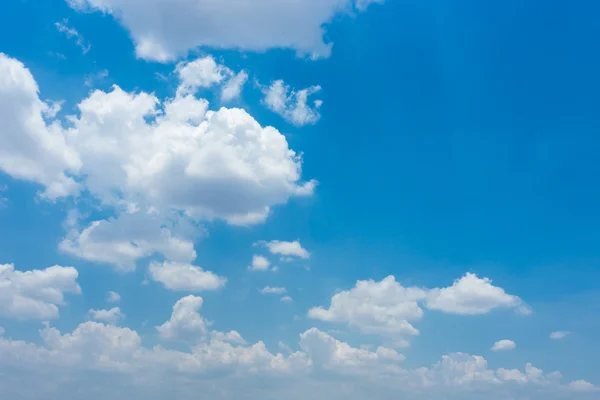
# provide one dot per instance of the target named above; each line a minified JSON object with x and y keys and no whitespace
{"x":287,"y":299}
{"x":286,"y":249}
{"x":186,"y":323}
{"x":583,"y":386}
{"x":160,"y":164}
{"x":185,"y":277}
{"x":118,"y":353}
{"x":388,"y":309}
{"x":259,"y":263}
{"x":111,"y":316}
{"x":233,"y":87}
{"x":207,"y":164}
{"x":384,"y":307}
{"x":1,"y":331}
{"x":35,"y":294}
{"x":504,"y":345}
{"x":559,"y":335}
{"x":330,"y":354}
{"x":113,"y":297}
{"x":229,"y":337}
{"x":136,"y":153}
{"x":471,"y":295}
{"x":31,"y":149}
{"x":200,"y":73}
{"x":272,"y":290}
{"x":292,"y":105}
{"x":124,"y":240}
{"x":72,"y":33}
{"x":163,"y":29}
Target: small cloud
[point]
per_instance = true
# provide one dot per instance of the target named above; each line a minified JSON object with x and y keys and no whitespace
{"x":91,"y":79}
{"x":287,"y":250}
{"x":292,"y":105}
{"x":504,"y":345}
{"x":113,"y":297}
{"x":111,"y":316}
{"x":272,"y":290}
{"x":286,"y":299}
{"x":259,"y":263}
{"x":559,"y":335}
{"x":233,"y":87}
{"x":72,"y":33}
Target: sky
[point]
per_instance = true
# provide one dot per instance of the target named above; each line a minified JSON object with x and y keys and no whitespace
{"x":324,"y":199}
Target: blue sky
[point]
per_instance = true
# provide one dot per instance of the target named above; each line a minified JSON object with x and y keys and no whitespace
{"x":419,"y":177}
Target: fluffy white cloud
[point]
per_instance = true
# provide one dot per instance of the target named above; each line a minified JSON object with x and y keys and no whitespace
{"x":272,"y":290}
{"x":292,"y":105}
{"x":35,"y":294}
{"x":559,"y":335}
{"x":387,"y":308}
{"x":286,"y":249}
{"x":200,"y":73}
{"x":328,"y":353}
{"x":160,"y":161}
{"x":72,"y":33}
{"x":165,"y":29}
{"x":30,"y":148}
{"x":471,"y":295}
{"x":287,"y":299}
{"x":185,"y":277}
{"x":113,"y":297}
{"x":111,"y":316}
{"x":384,"y":307}
{"x":124,"y":240}
{"x":186,"y":323}
{"x":207,"y":164}
{"x":259,"y":263}
{"x":503,"y":345}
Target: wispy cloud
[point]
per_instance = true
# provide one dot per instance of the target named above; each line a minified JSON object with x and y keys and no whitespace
{"x":72,"y":33}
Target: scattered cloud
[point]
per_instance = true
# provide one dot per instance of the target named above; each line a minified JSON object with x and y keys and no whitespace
{"x":113,"y":297}
{"x":72,"y":33}
{"x":233,"y":87}
{"x":559,"y":335}
{"x":388,"y":309}
{"x":286,"y":249}
{"x":272,"y":290}
{"x":287,"y":299}
{"x":91,"y":79}
{"x":185,"y":277}
{"x":292,"y":105}
{"x":504,"y":345}
{"x":35,"y":294}
{"x":259,"y":263}
{"x":112,"y":316}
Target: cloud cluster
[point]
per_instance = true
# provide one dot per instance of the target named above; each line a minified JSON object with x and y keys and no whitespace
{"x":160,"y":163}
{"x":115,"y":352}
{"x":388,"y":309}
{"x":35,"y":294}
